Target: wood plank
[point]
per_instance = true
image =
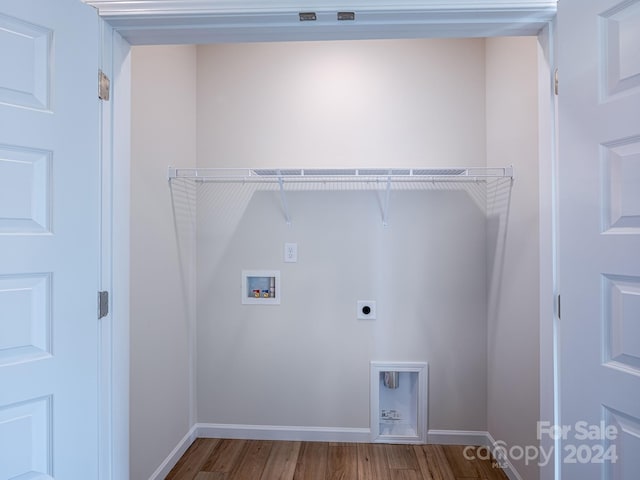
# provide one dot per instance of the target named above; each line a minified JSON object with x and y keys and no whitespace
{"x":372,"y":462}
{"x":405,"y":474}
{"x":342,"y":462}
{"x":282,"y":461}
{"x":312,"y":461}
{"x":251,"y":462}
{"x":191,"y":462}
{"x":425,"y":465}
{"x":461,"y":466}
{"x":211,"y":476}
{"x":401,"y":457}
{"x":224,"y":456}
{"x":433,"y":463}
{"x":488,"y":468}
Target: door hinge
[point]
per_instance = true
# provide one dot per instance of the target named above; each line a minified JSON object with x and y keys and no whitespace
{"x":104,"y":85}
{"x":103,"y":304}
{"x":556,"y":82}
{"x":558,"y":305}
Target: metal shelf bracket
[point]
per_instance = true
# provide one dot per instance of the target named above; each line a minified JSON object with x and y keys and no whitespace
{"x":385,"y":208}
{"x":283,"y":198}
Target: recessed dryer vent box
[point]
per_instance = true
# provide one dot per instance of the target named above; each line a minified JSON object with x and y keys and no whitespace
{"x":261,"y":287}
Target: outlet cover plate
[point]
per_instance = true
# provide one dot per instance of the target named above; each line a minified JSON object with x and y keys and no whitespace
{"x":290,"y":252}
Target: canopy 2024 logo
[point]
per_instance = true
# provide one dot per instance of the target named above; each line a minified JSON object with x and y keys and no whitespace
{"x":580,"y":443}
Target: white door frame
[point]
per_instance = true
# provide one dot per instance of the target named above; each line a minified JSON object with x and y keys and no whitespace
{"x":214,"y":21}
{"x":115,"y":241}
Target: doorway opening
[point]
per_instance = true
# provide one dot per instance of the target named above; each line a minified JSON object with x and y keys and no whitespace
{"x":242,"y":105}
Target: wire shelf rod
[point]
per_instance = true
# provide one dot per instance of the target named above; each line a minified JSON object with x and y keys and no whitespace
{"x":369,"y":175}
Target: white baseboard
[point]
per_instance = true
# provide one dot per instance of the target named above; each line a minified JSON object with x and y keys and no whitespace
{"x":272,"y":432}
{"x":458,"y":437}
{"x":509,"y":469}
{"x":465,"y":437}
{"x":165,"y":467}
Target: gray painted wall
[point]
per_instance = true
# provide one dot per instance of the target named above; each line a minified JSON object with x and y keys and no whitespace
{"x":513,"y":253}
{"x":162,"y":286}
{"x":306,"y":362}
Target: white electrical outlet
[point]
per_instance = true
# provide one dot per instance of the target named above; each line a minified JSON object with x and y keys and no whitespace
{"x":291,"y":252}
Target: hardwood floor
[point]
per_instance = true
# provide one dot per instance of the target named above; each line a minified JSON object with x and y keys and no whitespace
{"x":224,"y":459}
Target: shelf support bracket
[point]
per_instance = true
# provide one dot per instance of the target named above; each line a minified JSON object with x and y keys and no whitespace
{"x":171,"y":174}
{"x":508,"y":172}
{"x":385,"y":207}
{"x":283,"y":198}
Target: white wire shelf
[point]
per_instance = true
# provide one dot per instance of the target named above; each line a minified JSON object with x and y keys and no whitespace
{"x":383,"y":177}
{"x":310,"y":175}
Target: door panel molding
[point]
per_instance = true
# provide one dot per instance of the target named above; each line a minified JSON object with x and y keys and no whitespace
{"x":26,"y":84}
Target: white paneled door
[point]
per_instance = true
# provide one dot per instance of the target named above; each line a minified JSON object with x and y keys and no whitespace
{"x":49,"y":211}
{"x":599,"y":257}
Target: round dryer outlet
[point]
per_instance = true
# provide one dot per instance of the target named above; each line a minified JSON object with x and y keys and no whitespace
{"x":366,"y":310}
